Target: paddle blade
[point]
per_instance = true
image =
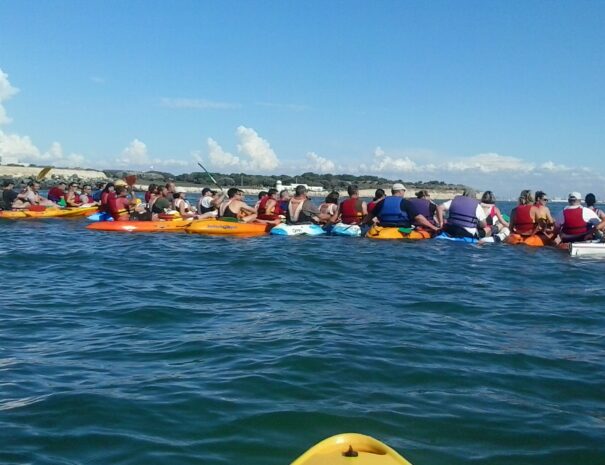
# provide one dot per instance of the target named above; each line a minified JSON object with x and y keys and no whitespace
{"x":131,"y":180}
{"x":42,"y":174}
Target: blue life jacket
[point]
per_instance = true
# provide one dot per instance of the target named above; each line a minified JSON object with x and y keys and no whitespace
{"x":391,"y":214}
{"x":423,"y":207}
{"x":463,"y":212}
{"x":96,"y":195}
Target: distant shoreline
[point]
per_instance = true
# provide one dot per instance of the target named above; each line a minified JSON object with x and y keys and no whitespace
{"x":92,"y":176}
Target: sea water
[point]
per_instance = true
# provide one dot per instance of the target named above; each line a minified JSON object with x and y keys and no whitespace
{"x":184,"y":349}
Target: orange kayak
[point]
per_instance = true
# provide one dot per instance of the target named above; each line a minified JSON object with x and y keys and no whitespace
{"x":535,"y":240}
{"x":228,"y":228}
{"x":139,"y":226}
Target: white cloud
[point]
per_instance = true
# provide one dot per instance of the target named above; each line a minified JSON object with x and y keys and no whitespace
{"x":383,"y":163}
{"x":553,"y":167}
{"x":198,"y":104}
{"x":490,"y":163}
{"x":6,"y":92}
{"x":136,"y":155}
{"x":254,"y":153}
{"x":14,"y":145}
{"x":320,"y":164}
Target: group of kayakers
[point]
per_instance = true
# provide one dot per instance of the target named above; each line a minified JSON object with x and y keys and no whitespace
{"x":465,"y":216}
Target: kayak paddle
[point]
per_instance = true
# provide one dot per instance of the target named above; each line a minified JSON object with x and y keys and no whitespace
{"x":211,"y":178}
{"x":43,"y":172}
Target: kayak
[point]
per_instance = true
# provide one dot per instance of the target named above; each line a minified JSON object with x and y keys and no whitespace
{"x":447,"y":237}
{"x":12,"y":214}
{"x":100,"y":216}
{"x":48,"y":213}
{"x":534,"y":240}
{"x":351,"y":449}
{"x":389,"y":233}
{"x":212,"y":227}
{"x":139,"y":226}
{"x":81,"y":211}
{"x":298,"y":230}
{"x":342,"y":229}
{"x":586,"y":249}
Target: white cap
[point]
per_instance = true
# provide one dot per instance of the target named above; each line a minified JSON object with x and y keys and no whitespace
{"x":575,"y":195}
{"x":398,"y":187}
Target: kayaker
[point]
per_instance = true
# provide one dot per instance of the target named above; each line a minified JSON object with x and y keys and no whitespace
{"x":96,"y":195}
{"x":86,"y":195}
{"x":466,"y":218}
{"x":150,"y":191}
{"x":235,"y":207}
{"x":591,"y":200}
{"x":540,"y":213}
{"x":208,"y":203}
{"x":268,"y":208}
{"x":57,"y":192}
{"x":261,"y":196}
{"x":119,"y":204}
{"x":302,"y":211}
{"x":378,"y":196}
{"x":577,"y":223}
{"x":109,"y":191}
{"x":423,"y":204}
{"x":284,"y":198}
{"x":9,"y":195}
{"x":395,"y":211}
{"x":329,"y":208}
{"x":160,"y":203}
{"x":72,"y":198}
{"x":521,"y":220}
{"x":182,"y":206}
{"x":33,"y":197}
{"x":170,"y":191}
{"x":353,"y":210}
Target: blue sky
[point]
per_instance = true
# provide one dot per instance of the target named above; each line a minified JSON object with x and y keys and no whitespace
{"x":497,"y":94}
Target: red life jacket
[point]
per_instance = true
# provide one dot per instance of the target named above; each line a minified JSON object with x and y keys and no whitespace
{"x":371,"y":206}
{"x":574,"y":223}
{"x":118,"y":207}
{"x":351,"y":211}
{"x":262,"y":209}
{"x":524,"y":223}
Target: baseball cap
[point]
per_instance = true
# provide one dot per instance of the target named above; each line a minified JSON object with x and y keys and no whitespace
{"x":575,"y":195}
{"x":120,"y":182}
{"x":398,"y":187}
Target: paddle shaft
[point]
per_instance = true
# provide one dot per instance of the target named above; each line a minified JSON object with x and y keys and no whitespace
{"x":212,"y":179}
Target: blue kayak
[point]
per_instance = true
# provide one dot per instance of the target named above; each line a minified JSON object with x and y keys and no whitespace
{"x":447,"y":237}
{"x":101,"y":216}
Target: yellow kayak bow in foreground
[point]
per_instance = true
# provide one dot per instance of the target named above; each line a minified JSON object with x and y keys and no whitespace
{"x":350,"y":449}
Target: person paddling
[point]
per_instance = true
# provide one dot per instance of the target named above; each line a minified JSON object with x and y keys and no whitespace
{"x":496,"y":225}
{"x":378,"y":196}
{"x":328,"y":209}
{"x":302,"y":211}
{"x":235,"y":207}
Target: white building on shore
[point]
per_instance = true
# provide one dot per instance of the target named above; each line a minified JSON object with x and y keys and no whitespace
{"x":290,"y":187}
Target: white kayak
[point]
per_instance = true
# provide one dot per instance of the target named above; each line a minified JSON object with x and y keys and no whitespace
{"x":297,"y":230}
{"x":342,"y":229}
{"x":585,"y":249}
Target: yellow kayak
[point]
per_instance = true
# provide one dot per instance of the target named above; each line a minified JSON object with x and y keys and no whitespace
{"x":350,"y":449}
{"x":81,"y":211}
{"x":48,"y":213}
{"x":12,"y":214}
